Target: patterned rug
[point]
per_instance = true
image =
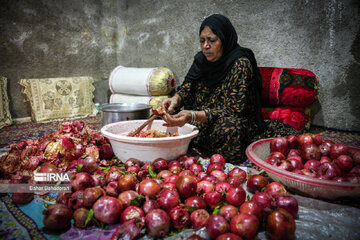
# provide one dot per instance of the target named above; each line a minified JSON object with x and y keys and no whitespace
{"x":25,"y":221}
{"x":20,"y":131}
{"x":16,"y":132}
{"x":351,"y":138}
{"x":30,"y":130}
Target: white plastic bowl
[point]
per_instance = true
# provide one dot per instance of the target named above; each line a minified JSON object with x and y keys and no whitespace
{"x":258,"y":151}
{"x":148,"y":149}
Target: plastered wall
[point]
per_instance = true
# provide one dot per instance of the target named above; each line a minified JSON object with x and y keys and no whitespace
{"x":50,"y":38}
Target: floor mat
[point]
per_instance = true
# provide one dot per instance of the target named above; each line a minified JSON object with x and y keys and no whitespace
{"x":25,"y":221}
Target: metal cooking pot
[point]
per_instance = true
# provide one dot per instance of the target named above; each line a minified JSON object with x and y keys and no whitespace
{"x":115,"y":112}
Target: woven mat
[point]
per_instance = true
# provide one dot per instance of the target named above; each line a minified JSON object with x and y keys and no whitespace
{"x":17,"y":132}
{"x":27,"y":130}
{"x":348,"y":137}
{"x":25,"y":221}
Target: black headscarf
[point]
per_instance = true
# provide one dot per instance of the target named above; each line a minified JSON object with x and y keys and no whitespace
{"x":212,"y":73}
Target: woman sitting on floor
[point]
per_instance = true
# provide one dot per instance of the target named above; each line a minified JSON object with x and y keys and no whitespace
{"x":221,"y":94}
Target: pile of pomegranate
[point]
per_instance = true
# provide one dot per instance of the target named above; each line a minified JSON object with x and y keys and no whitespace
{"x":310,"y":155}
{"x":74,"y":140}
{"x":74,"y":144}
{"x":164,"y":198}
{"x":158,"y":199}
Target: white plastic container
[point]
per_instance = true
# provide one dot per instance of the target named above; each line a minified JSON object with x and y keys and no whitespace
{"x":148,"y":149}
{"x":142,"y":81}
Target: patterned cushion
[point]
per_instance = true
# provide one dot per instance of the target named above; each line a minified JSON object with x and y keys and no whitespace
{"x":59,"y":98}
{"x":288,"y":87}
{"x":5,"y":117}
{"x":298,"y":117}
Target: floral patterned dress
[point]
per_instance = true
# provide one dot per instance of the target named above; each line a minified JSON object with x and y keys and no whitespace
{"x":230,"y":109}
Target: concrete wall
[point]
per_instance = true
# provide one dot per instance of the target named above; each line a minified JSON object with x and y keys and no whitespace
{"x":50,"y":38}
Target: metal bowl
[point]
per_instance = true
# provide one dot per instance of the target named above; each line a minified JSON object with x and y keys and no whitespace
{"x":116,"y":112}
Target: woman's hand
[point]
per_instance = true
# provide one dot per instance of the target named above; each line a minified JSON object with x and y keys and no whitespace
{"x":170,"y":103}
{"x":177,"y":120}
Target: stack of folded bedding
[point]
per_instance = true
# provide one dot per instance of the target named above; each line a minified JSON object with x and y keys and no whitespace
{"x":141,"y":85}
{"x":287,"y":94}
